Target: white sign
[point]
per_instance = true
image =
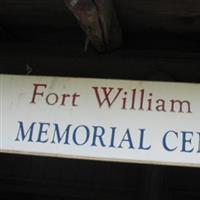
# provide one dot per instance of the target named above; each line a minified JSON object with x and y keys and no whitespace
{"x":115,"y":120}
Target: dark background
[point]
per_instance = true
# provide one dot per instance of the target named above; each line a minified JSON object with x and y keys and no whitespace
{"x":41,"y":37}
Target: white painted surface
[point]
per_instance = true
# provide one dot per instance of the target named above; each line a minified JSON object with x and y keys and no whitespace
{"x":138,"y":123}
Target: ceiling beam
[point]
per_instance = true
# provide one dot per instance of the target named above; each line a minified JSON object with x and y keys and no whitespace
{"x":98,"y":20}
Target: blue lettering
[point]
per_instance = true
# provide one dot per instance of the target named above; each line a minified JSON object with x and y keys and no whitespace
{"x":76,"y":131}
{"x":57,"y":135}
{"x":199,"y":142}
{"x":98,"y":135}
{"x":43,"y":132}
{"x":165,"y":144}
{"x":113,"y":137}
{"x":21,"y":132}
{"x":186,"y":139}
{"x":141,"y":146}
{"x":127,"y":138}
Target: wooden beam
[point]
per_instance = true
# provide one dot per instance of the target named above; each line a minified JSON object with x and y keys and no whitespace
{"x":98,"y":20}
{"x":6,"y":34}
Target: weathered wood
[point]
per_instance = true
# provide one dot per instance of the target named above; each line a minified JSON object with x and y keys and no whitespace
{"x":168,"y":15}
{"x":68,"y":59}
{"x":98,"y":20}
{"x":135,"y":16}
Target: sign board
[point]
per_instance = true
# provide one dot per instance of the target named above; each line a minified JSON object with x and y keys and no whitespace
{"x":99,"y":119}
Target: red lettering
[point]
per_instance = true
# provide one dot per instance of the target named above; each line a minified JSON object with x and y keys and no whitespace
{"x":36,"y":93}
{"x":52,"y":99}
{"x":74,"y":97}
{"x":64,"y":96}
{"x":106,"y":97}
